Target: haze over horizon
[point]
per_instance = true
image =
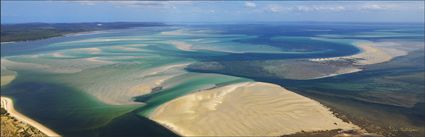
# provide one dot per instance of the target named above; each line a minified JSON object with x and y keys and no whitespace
{"x":210,"y":11}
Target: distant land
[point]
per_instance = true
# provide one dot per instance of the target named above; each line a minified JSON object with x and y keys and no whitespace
{"x":35,"y":31}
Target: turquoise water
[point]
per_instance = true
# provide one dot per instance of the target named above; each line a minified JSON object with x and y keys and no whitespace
{"x":83,"y":85}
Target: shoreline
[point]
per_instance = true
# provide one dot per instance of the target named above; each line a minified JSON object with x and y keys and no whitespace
{"x":61,"y":35}
{"x":7,"y":104}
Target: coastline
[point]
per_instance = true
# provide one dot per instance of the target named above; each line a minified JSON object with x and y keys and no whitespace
{"x":61,"y":35}
{"x":63,"y":29}
{"x":7,"y":104}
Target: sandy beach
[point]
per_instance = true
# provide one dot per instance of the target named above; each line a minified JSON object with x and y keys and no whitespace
{"x":7,"y":104}
{"x":246,"y":109}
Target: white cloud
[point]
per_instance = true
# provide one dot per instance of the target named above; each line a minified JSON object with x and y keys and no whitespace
{"x":151,"y":4}
{"x":250,"y":4}
{"x":304,"y":8}
{"x":274,"y":8}
{"x":377,"y":6}
{"x":89,"y":3}
{"x":342,"y":6}
{"x":313,"y":8}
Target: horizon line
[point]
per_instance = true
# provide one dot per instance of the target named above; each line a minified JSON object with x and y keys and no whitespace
{"x":210,"y":22}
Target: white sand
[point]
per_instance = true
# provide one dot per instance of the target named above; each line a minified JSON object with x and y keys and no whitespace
{"x":120,"y":89}
{"x":175,"y":32}
{"x":55,"y":65}
{"x":372,"y":53}
{"x":104,"y":40}
{"x":346,"y":70}
{"x":153,"y":79}
{"x":245,"y":109}
{"x":7,"y":104}
{"x":7,"y":79}
{"x":182,"y":45}
{"x":89,"y":50}
{"x":7,"y":75}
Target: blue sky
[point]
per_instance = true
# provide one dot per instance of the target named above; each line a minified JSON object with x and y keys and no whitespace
{"x":211,"y":11}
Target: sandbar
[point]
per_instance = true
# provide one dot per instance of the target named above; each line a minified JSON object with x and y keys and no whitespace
{"x":7,"y":79}
{"x":370,"y":53}
{"x":246,"y":109}
{"x":182,"y":45}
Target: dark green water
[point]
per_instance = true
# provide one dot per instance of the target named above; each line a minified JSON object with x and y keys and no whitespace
{"x":75,"y":113}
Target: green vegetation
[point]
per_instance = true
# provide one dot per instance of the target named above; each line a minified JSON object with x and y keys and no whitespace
{"x":11,"y":127}
{"x":35,"y":31}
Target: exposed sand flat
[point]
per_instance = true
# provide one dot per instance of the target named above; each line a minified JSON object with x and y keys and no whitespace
{"x":89,"y":50}
{"x":165,"y":68}
{"x":7,"y":79}
{"x":98,"y":60}
{"x":245,"y":109}
{"x":346,"y":70}
{"x":182,"y":45}
{"x":126,"y":48}
{"x":105,"y":40}
{"x":7,"y":104}
{"x":152,"y":78}
{"x":150,"y":83}
{"x":85,"y":33}
{"x":174,"y":32}
{"x":131,"y":83}
{"x":372,"y":53}
{"x":54,"y":65}
{"x":7,"y":42}
{"x":59,"y":55}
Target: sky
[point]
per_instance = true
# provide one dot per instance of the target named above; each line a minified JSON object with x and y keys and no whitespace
{"x":211,"y":11}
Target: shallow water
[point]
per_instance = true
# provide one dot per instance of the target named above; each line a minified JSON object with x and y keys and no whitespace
{"x":81,"y":85}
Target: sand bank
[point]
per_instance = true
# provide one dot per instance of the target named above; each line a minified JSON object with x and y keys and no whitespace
{"x":371,"y":53}
{"x":246,"y":109}
{"x":175,"y":32}
{"x":53,"y":65}
{"x":156,"y":77}
{"x":182,"y":45}
{"x":7,"y":75}
{"x":7,"y":104}
{"x":132,"y":83}
{"x":7,"y":79}
{"x":340,"y":71}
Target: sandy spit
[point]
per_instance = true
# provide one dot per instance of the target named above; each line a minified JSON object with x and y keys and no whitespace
{"x":371,"y":54}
